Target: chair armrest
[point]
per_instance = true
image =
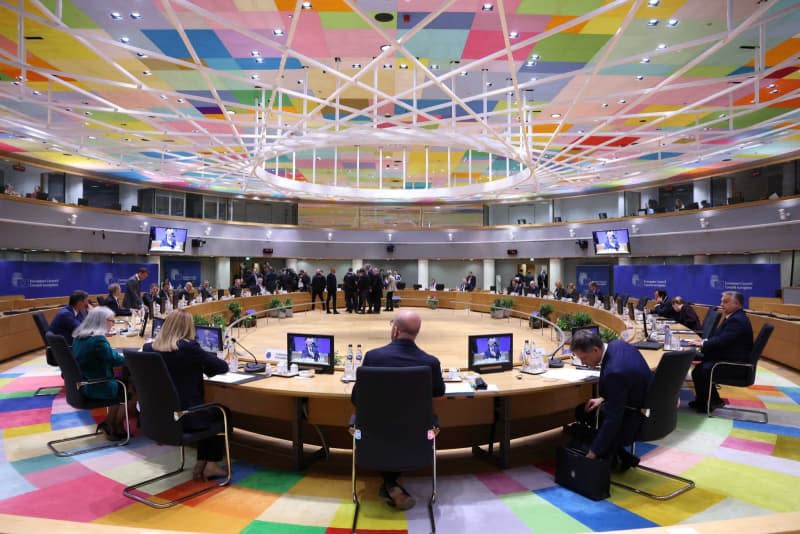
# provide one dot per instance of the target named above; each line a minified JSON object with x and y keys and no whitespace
{"x":732,"y":364}
{"x":201,"y":407}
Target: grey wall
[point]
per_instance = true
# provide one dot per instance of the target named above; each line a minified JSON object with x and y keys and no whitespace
{"x":23,"y":182}
{"x":451,"y":272}
{"x":586,"y":208}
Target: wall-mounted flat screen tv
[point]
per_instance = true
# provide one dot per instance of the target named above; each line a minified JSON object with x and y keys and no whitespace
{"x":611,"y":242}
{"x":167,"y":239}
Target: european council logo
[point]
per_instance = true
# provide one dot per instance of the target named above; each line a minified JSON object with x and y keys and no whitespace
{"x":635,"y":282}
{"x":175,"y":275}
{"x":109,"y":278}
{"x":716,"y":283}
{"x":583,"y":278}
{"x":17,"y":280}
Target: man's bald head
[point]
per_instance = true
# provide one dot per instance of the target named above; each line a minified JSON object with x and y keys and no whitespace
{"x":406,"y":324}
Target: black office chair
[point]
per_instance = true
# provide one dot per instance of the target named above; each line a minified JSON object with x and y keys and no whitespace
{"x":709,"y":323}
{"x":745,"y":380}
{"x":557,"y":219}
{"x":394,"y":427}
{"x":161,"y":418}
{"x":401,"y":285}
{"x":642,"y":304}
{"x":661,"y":415}
{"x":417,"y":286}
{"x":602,"y":215}
{"x":42,"y":326}
{"x":439,"y":287}
{"x":73,"y":380}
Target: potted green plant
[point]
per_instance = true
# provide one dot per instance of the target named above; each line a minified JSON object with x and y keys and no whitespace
{"x":288,"y":308}
{"x":249,"y":319}
{"x":432,"y":302}
{"x":497,"y":309}
{"x":564,"y":322}
{"x":236,"y":310}
{"x":508,"y":303}
{"x":274,"y":307}
{"x":545,"y":311}
{"x":218,"y":320}
{"x":581,"y":319}
{"x":608,"y":335}
{"x":200,"y":320}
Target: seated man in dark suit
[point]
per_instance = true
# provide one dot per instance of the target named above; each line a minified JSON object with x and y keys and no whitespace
{"x":311,"y":350}
{"x":236,"y":288}
{"x":593,"y":291}
{"x":152,"y":298}
{"x":70,"y":316}
{"x":114,"y":300}
{"x":663,"y":305}
{"x":732,"y":342}
{"x":493,"y":350}
{"x":624,"y":381}
{"x":402,"y":352}
{"x":685,"y":314}
{"x":205,"y":291}
{"x":559,"y":293}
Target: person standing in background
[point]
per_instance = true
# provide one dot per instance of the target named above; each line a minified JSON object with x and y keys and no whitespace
{"x":133,"y":291}
{"x":349,"y":284}
{"x":331,"y":286}
{"x":391,"y":287}
{"x":318,"y":288}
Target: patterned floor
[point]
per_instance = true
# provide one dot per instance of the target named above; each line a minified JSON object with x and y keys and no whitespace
{"x":741,"y":469}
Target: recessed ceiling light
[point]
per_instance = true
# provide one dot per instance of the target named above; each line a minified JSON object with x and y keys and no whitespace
{"x":356,"y":65}
{"x":487,"y":7}
{"x":387,"y":65}
{"x":91,"y":137}
{"x":403,"y":66}
{"x":385,"y":47}
{"x":147,"y":73}
{"x":556,"y":115}
{"x":645,"y":60}
{"x":277,"y":32}
{"x":581,"y":132}
{"x":135,"y":15}
{"x":530,"y":63}
{"x":652,"y":22}
{"x":231,"y":112}
{"x":254,"y":76}
{"x":36,"y":93}
{"x":299,"y":82}
{"x":434,"y":66}
{"x":640,"y":77}
{"x":673,"y":22}
{"x":622,"y":101}
{"x":306,"y":5}
{"x":771,"y":86}
{"x":603,"y":105}
{"x":259,"y":60}
{"x":774,"y":91}
{"x":513,"y":35}
{"x":489,"y":84}
{"x":162,"y":97}
{"x":464,"y":73}
{"x":661,"y":46}
{"x":723,"y":115}
{"x":115,"y":15}
{"x":124,"y":39}
{"x":87,"y":113}
{"x":141,"y":54}
{"x":255,"y":53}
{"x":653,"y":3}
{"x":180,"y":101}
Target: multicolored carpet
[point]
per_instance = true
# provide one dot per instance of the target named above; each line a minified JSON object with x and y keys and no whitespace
{"x":741,"y":469}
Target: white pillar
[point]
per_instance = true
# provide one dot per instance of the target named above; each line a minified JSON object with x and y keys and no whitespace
{"x":422,"y":273}
{"x":73,"y":189}
{"x":222,"y":273}
{"x":555,"y":272}
{"x":647,"y":194}
{"x":488,"y":274}
{"x":357,"y":264}
{"x":702,"y":191}
{"x":621,"y":204}
{"x":702,"y":259}
{"x":291,"y":263}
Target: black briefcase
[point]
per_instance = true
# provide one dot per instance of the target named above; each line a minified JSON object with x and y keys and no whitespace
{"x":576,"y":472}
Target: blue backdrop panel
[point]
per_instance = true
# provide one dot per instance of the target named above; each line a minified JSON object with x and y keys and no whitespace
{"x":182,"y":271}
{"x":699,"y":283}
{"x":37,"y":279}
{"x":593,"y":273}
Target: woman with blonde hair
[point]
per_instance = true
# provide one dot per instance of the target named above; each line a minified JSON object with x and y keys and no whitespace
{"x":187,"y":362}
{"x":96,"y":359}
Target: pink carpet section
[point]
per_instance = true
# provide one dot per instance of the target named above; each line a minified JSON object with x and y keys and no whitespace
{"x":98,"y":496}
{"x":500,"y":483}
{"x":671,"y":460}
{"x":57,"y":475}
{"x":748,"y":445}
{"x":25,"y":418}
{"x":32,"y":383}
{"x":746,"y":403}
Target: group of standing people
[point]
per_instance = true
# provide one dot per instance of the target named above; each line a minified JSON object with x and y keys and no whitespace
{"x":364,"y":289}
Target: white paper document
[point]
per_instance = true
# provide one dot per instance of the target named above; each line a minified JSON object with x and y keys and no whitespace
{"x":229,"y":378}
{"x":570,"y":374}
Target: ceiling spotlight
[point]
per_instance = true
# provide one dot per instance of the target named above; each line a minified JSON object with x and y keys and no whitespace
{"x":162,"y":97}
{"x":774,"y":91}
{"x":135,"y":15}
{"x":704,"y":222}
{"x":530,"y":63}
{"x":450,"y":236}
{"x":125,"y":39}
{"x":141,"y":55}
{"x":723,"y":115}
{"x":259,"y":60}
{"x":603,"y":105}
{"x":143,"y":227}
{"x":254,"y":76}
{"x":207,"y":231}
{"x":673,"y":22}
{"x":330,"y":236}
{"x":622,"y":101}
{"x":645,"y":60}
{"x":652,"y":22}
{"x":661,"y":46}
{"x":356,"y":65}
{"x":555,"y":115}
{"x":277,"y":32}
{"x":464,"y":73}
{"x":255,"y":53}
{"x":387,"y":65}
{"x":72,"y":219}
{"x":180,"y":101}
{"x":634,"y":228}
{"x":783,"y":214}
{"x":115,"y":15}
{"x":147,"y":73}
{"x":771,"y":86}
{"x":385,"y":47}
{"x":434,"y":66}
{"x":572,"y":232}
{"x":36,"y":93}
{"x":513,"y":35}
{"x":269,"y":234}
{"x":306,"y":5}
{"x":487,"y":7}
{"x":403,"y":66}
{"x":640,"y":77}
{"x":389,"y":236}
{"x":581,"y":131}
{"x":92,"y":138}
{"x":653,"y":3}
{"x":489,"y":84}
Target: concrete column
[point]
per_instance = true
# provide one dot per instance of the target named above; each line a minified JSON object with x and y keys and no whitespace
{"x":621,"y":204}
{"x":422,"y":273}
{"x":222,"y":273}
{"x":357,"y":264}
{"x":702,"y":191}
{"x":647,"y":194}
{"x":488,"y":274}
{"x":128,"y":196}
{"x":728,"y":187}
{"x":701,"y":259}
{"x":73,"y":189}
{"x":556,"y":272}
{"x":291,"y":263}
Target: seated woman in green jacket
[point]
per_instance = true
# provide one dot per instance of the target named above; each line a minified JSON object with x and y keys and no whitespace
{"x":96,"y":359}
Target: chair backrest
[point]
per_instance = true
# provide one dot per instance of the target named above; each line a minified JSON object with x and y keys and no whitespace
{"x":710,"y":323}
{"x":69,"y":369}
{"x":758,"y":347}
{"x":662,"y":396}
{"x":157,"y":396}
{"x":41,"y":325}
{"x":394,"y":412}
{"x":642,"y":303}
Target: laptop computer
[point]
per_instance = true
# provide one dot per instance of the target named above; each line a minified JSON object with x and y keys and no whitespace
{"x":646,"y":344}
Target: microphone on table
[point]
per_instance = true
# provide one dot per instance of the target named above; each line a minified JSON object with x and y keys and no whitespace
{"x":251,"y":367}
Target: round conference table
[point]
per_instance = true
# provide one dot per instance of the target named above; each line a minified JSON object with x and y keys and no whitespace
{"x":314,"y":412}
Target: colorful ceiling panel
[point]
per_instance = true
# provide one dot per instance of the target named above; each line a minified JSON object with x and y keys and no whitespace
{"x":400,"y":101}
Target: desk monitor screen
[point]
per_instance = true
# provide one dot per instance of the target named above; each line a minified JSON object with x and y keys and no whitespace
{"x":594,"y":329}
{"x":592,"y":298}
{"x":164,"y":239}
{"x":620,"y":305}
{"x":489,"y":353}
{"x":145,"y":316}
{"x":209,"y":337}
{"x":611,"y":242}
{"x":631,"y":311}
{"x":158,"y":322}
{"x":310,"y":351}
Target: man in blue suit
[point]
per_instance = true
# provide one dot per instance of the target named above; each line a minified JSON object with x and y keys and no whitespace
{"x":402,"y":352}
{"x":71,"y":316}
{"x":624,"y":381}
{"x":732,"y":342}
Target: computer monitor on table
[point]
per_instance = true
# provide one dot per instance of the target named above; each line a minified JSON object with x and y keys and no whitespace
{"x":310,"y":351}
{"x":490,"y":353}
{"x":209,"y":338}
{"x":158,"y":322}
